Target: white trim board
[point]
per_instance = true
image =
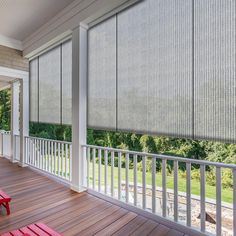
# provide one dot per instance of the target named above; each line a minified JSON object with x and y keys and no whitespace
{"x":10,"y":42}
{"x":13,"y":73}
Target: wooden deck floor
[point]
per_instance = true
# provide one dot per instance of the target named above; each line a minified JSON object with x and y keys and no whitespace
{"x":35,"y":198}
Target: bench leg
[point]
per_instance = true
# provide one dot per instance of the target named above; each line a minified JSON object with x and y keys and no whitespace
{"x":8,"y":208}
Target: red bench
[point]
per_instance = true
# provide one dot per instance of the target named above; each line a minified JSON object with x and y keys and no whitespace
{"x":5,"y":200}
{"x":38,"y":229}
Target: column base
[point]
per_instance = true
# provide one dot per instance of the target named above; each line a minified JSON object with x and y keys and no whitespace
{"x":22,"y":164}
{"x":77,"y":189}
{"x":12,"y":160}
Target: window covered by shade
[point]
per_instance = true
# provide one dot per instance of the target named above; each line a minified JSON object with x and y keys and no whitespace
{"x":50,"y":86}
{"x":102,"y":75}
{"x":166,"y":68}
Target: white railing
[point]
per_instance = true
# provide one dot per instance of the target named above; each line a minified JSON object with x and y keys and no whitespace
{"x":5,"y":143}
{"x":124,"y":182}
{"x":51,"y":156}
{"x":16,"y":147}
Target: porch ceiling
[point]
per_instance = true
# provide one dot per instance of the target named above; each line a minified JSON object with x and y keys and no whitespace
{"x":19,"y":19}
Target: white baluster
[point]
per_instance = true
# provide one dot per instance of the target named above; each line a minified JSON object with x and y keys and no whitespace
{"x":119,"y":176}
{"x":112,"y":174}
{"x":203,"y":198}
{"x":135,"y":180}
{"x":127,"y":177}
{"x":105,"y":170}
{"x":154,"y":185}
{"x":99,"y":169}
{"x":176,"y":169}
{"x":144,"y":181}
{"x":94,"y":156}
{"x":188,"y":193}
{"x":218,"y":201}
{"x":88,"y":167}
{"x":164,"y":197}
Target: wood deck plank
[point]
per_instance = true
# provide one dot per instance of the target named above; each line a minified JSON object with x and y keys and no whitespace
{"x":36,"y":198}
{"x":145,"y":228}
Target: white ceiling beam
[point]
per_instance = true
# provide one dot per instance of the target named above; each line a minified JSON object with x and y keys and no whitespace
{"x":10,"y":42}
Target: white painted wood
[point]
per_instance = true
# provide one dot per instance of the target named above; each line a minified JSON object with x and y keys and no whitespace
{"x":127,"y":178}
{"x":24,"y":116}
{"x":164,"y":196}
{"x":40,"y":150}
{"x":43,"y":154}
{"x":46,"y":155}
{"x":10,"y":42}
{"x":144,"y":181}
{"x":188,"y":193}
{"x":94,"y":157}
{"x":218,"y":202}
{"x":63,"y":160}
{"x":105,"y":170}
{"x":167,"y":157}
{"x":54,"y":158}
{"x":234,"y":201}
{"x":99,"y":169}
{"x":59,"y":158}
{"x":203,"y":197}
{"x":153,"y":185}
{"x":79,"y":105}
{"x":15,"y":119}
{"x":176,"y":169}
{"x":84,"y":174}
{"x":51,"y":155}
{"x":119,"y":176}
{"x":112,"y":173}
{"x":34,"y":150}
{"x":135,"y":179}
{"x":70,"y":162}
{"x":88,"y":167}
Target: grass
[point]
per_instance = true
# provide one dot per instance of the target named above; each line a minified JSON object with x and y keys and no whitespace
{"x":227,"y":194}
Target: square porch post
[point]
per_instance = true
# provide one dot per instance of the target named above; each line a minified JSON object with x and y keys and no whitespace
{"x":79,"y":106}
{"x":24,"y":118}
{"x":15,"y":116}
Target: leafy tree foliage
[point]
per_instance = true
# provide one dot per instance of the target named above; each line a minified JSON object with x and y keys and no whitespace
{"x":5,"y":109}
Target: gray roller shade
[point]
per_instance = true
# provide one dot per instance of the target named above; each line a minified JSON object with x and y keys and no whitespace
{"x":51,"y":86}
{"x":67,"y":83}
{"x":169,"y":68}
{"x":34,"y":90}
{"x":102,"y":75}
{"x":140,"y":70}
{"x":214,"y":63}
{"x":155,"y":69}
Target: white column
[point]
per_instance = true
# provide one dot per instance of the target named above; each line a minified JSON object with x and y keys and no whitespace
{"x":79,"y":106}
{"x":24,"y":117}
{"x":15,"y":116}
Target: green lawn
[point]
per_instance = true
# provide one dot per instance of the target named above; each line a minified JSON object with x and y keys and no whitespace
{"x":227,"y":194}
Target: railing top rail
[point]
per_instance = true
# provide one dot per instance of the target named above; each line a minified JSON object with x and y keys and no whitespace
{"x":166,"y":157}
{"x":5,"y":132}
{"x":50,"y":140}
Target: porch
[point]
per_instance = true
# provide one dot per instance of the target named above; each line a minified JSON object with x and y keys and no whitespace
{"x":37,"y":198}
